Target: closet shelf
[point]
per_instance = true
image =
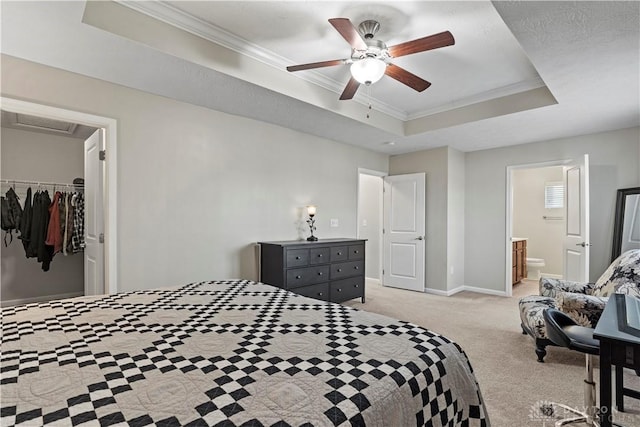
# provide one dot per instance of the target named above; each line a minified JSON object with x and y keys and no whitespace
{"x":41,"y":183}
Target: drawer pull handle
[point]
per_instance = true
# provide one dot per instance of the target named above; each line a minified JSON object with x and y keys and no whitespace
{"x":319,"y":294}
{"x":319,"y":273}
{"x":355,"y":252}
{"x":356,"y":286}
{"x":339,"y":290}
{"x":339,"y":270}
{"x":356,"y":267}
{"x":298,"y":277}
{"x":339,"y":253}
{"x":319,"y":255}
{"x":298,"y":257}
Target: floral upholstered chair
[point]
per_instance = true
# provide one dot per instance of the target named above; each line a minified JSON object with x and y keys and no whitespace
{"x":583,"y":302}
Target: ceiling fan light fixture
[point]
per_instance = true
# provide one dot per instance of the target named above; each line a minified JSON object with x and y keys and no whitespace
{"x":368,"y":70}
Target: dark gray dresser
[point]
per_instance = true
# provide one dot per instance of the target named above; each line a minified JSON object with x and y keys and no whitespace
{"x":328,"y":269}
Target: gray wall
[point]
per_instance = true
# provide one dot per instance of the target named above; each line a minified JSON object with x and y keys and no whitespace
{"x":455,"y":219}
{"x":48,"y":158}
{"x":614,"y":163}
{"x":197,"y":188}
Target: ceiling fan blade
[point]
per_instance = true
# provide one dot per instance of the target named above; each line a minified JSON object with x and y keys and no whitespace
{"x":315,"y":65}
{"x":407,"y":78}
{"x":349,"y":32}
{"x":434,"y":41}
{"x":350,"y":90}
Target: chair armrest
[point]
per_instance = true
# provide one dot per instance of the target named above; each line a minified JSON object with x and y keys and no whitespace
{"x":585,"y":310}
{"x":551,"y":287}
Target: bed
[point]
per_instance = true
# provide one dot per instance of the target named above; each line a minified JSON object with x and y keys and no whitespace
{"x":234,"y":352}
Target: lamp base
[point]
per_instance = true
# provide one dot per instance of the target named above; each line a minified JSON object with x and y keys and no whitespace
{"x":312,"y":239}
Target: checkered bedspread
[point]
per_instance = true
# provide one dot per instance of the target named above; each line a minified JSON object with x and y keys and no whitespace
{"x":233,"y":353}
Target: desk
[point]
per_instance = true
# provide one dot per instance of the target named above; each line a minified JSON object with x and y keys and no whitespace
{"x":616,"y":348}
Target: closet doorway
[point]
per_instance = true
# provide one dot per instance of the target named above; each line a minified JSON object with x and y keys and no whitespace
{"x":61,"y":160}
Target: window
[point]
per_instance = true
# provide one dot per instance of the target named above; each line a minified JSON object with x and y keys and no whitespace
{"x":554,"y":195}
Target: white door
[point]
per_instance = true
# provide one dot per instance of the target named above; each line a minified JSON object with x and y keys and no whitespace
{"x":576,"y":237}
{"x":403,"y":232}
{"x":94,"y":215}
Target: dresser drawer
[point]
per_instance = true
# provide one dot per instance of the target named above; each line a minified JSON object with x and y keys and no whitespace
{"x":319,"y":291}
{"x":339,"y":253}
{"x":319,"y":255}
{"x":346,"y":289}
{"x":356,"y":252}
{"x":347,"y":269}
{"x":297,"y":277}
{"x":297,"y":257}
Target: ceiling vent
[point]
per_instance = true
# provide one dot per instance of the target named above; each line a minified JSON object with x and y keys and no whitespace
{"x":40,"y":123}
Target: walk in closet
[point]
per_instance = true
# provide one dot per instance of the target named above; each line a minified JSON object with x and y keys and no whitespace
{"x":47,"y":162}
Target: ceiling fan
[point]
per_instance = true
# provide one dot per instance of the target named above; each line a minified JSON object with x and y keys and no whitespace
{"x":371,"y":59}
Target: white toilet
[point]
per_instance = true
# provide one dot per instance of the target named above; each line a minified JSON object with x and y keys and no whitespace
{"x":534,"y":266}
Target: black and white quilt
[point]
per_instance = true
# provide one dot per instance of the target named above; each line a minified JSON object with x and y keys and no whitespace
{"x":227,"y":353}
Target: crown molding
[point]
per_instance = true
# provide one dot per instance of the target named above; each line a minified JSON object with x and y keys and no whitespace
{"x":173,"y":16}
{"x":482,"y":97}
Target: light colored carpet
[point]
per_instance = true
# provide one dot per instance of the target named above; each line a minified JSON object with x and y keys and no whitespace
{"x":487,"y":327}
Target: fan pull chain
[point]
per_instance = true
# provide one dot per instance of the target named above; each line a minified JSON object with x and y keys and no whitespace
{"x":369,"y":97}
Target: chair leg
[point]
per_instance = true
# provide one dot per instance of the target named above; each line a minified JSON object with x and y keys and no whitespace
{"x":619,"y":389}
{"x":540,"y":351}
{"x":589,"y":391}
{"x":524,"y":331}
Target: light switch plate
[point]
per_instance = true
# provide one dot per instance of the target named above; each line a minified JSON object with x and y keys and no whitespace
{"x":334,"y":222}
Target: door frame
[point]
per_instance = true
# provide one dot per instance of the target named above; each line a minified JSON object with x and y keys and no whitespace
{"x":508,"y":286}
{"x":381,"y":175}
{"x":110,"y":181}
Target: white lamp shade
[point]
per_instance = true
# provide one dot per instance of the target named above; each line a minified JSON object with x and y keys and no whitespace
{"x":311,"y":210}
{"x":368,"y":70}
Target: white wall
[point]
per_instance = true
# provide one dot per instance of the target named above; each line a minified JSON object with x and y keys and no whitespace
{"x":435,"y":164}
{"x":614,"y":163}
{"x":197,"y":188}
{"x":545,"y":236}
{"x":370,"y":221}
{"x":36,"y":156}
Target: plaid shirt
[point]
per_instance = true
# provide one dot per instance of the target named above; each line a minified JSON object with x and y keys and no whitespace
{"x":77,"y":238}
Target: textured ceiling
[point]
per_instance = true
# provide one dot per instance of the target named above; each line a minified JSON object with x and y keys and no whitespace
{"x":522,"y":71}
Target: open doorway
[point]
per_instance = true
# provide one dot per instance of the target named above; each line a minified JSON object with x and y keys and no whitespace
{"x":535,"y":222}
{"x":104,"y":203}
{"x":547,"y":221}
{"x":369,"y":219}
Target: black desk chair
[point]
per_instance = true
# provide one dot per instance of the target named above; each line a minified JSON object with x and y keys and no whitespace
{"x":564,"y":332}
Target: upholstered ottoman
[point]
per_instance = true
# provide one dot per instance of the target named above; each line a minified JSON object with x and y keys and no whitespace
{"x":532,"y":322}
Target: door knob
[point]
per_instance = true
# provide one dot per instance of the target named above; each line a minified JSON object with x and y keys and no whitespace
{"x":420,"y":238}
{"x":584,"y":244}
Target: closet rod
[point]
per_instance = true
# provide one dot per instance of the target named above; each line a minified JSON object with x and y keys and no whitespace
{"x":49,"y":184}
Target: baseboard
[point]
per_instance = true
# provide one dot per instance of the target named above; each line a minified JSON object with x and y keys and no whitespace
{"x":42,"y":298}
{"x":485,"y":291}
{"x":467,"y":289}
{"x":551,"y":276}
{"x":437,"y":292}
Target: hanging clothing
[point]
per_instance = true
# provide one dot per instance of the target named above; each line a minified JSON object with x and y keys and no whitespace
{"x":25,"y":221}
{"x":77,"y":241}
{"x":47,"y":227}
{"x":39,"y":226}
{"x":54,"y":232}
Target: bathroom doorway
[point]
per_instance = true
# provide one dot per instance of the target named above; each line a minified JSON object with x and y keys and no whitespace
{"x":535,"y":222}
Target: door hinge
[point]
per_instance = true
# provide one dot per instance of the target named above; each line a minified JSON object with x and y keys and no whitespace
{"x":101,"y":238}
{"x":103,"y":155}
{"x":383,"y":271}
{"x":383,"y":231}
